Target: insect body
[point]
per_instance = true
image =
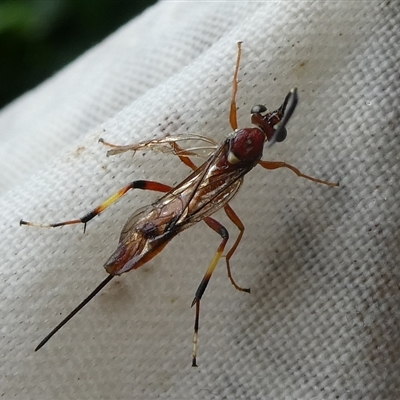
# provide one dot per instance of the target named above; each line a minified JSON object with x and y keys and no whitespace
{"x":207,"y":189}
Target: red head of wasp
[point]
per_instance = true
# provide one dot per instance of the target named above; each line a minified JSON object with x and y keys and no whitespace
{"x":207,"y":189}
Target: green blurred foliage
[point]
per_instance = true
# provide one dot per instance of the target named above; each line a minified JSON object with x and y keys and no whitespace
{"x":39,"y":37}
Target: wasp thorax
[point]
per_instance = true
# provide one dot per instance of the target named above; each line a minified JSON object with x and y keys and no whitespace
{"x":247,"y":145}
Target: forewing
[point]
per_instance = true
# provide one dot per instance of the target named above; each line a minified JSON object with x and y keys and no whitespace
{"x":206,"y":190}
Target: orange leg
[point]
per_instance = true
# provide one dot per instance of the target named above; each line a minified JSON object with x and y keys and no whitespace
{"x":281,"y":164}
{"x":236,"y":220}
{"x":144,"y":185}
{"x":235,"y":82}
{"x":178,"y":150}
{"x":222,"y":231}
{"x":232,"y":216}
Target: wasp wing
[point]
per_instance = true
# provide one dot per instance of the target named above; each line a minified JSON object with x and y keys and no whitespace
{"x":200,"y":195}
{"x":206,"y":190}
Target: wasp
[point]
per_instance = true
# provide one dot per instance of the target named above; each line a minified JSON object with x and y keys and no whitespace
{"x":209,"y":188}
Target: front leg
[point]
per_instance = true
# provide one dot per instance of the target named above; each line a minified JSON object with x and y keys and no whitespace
{"x":282,"y":164}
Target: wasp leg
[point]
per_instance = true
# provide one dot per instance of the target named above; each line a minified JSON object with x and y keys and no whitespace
{"x":235,"y":82}
{"x":221,"y":230}
{"x":236,"y":220}
{"x":144,"y":185}
{"x":282,"y":164}
{"x":179,"y":151}
{"x":232,"y":216}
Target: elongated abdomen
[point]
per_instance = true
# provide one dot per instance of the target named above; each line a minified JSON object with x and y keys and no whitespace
{"x":144,"y":235}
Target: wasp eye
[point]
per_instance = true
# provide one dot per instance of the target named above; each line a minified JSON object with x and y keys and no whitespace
{"x":258,"y":109}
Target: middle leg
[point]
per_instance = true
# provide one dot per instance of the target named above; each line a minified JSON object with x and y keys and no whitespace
{"x":236,"y":220}
{"x":282,"y":164}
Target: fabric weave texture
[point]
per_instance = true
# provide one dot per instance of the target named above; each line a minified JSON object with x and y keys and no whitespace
{"x":322,"y":263}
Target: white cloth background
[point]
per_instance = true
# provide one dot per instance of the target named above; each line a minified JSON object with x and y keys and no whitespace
{"x":322,"y":320}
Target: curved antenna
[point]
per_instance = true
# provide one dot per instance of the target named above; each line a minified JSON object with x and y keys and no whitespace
{"x":75,"y":311}
{"x":292,"y":96}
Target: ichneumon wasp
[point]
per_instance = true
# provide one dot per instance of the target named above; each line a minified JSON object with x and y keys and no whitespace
{"x":207,"y":189}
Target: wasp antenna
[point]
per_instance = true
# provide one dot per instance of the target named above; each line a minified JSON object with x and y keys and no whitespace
{"x":75,"y":311}
{"x":292,"y":95}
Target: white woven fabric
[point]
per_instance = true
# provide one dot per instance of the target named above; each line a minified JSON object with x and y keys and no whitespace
{"x":323,"y":263}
